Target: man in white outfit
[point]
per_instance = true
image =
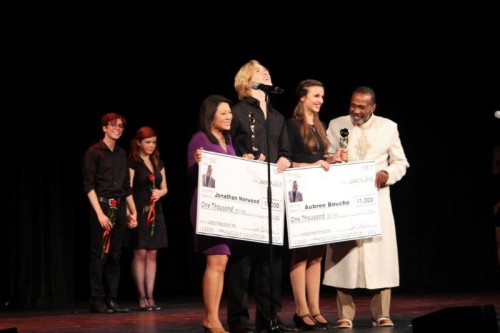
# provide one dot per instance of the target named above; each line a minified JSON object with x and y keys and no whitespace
{"x":370,"y":263}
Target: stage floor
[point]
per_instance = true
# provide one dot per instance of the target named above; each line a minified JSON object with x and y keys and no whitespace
{"x":184,"y":314}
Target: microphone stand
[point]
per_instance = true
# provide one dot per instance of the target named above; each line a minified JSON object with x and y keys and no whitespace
{"x":273,"y":325}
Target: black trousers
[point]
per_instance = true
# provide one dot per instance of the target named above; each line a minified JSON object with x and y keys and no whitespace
{"x":246,"y":256}
{"x":104,"y":270}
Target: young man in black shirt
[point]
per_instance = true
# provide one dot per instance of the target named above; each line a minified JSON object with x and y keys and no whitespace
{"x":106,"y":181}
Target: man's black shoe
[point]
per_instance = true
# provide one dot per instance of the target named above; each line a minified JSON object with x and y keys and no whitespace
{"x":278,"y":326}
{"x":99,"y":307}
{"x":286,"y":328}
{"x":115,"y":307}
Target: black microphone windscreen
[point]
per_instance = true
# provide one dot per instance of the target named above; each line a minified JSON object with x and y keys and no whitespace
{"x":267,"y":89}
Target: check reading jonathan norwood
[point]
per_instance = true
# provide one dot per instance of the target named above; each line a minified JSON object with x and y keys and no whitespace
{"x":237,"y":207}
{"x":338,"y":205}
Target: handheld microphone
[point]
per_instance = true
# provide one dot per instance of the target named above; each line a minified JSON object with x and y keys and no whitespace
{"x":344,"y":137}
{"x":267,"y":89}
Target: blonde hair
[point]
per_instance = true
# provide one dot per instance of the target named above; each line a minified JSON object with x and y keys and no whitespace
{"x":243,"y":77}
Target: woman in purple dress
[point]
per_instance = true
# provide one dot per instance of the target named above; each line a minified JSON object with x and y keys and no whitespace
{"x":215,"y":121}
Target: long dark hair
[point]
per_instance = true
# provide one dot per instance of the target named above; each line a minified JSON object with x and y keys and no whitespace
{"x":306,"y":133}
{"x":207,"y":114}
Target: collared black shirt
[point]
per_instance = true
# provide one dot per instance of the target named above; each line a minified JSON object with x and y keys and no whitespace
{"x":242,"y":134}
{"x":106,"y":171}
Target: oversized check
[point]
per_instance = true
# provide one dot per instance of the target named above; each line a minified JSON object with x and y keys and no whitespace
{"x":237,"y":206}
{"x":336,"y":205}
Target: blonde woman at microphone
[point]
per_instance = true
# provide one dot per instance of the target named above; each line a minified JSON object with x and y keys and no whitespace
{"x":253,"y":84}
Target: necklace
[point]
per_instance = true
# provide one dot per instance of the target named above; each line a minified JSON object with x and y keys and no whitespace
{"x":363,"y":145}
{"x":220,"y":137}
{"x":222,"y":141}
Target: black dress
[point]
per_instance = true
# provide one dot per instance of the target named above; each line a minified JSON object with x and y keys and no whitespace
{"x":298,"y":147}
{"x":142,"y":237}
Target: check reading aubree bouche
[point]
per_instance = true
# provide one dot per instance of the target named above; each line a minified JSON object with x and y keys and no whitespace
{"x":337,"y":205}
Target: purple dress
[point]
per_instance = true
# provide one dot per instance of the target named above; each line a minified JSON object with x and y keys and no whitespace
{"x":205,"y":244}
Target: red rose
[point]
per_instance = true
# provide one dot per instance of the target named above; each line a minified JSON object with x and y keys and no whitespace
{"x":106,"y":236}
{"x":150,"y":208}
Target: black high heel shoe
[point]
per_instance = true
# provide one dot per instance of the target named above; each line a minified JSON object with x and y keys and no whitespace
{"x":326,"y":325}
{"x":153,"y":305}
{"x":303,"y":326}
{"x":144,"y":305}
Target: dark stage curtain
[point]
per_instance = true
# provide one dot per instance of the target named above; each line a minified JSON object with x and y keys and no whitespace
{"x":446,"y":240}
{"x":445,"y":236}
{"x":38,"y":235}
{"x":442,"y":207}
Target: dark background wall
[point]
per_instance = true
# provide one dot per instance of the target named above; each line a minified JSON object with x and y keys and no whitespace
{"x":440,"y":83}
